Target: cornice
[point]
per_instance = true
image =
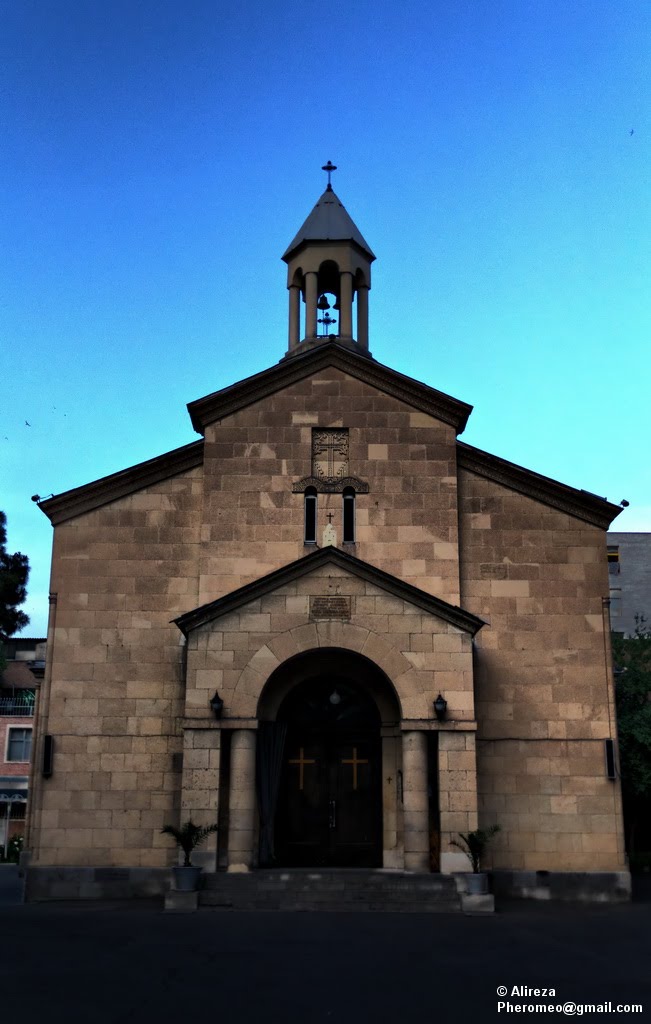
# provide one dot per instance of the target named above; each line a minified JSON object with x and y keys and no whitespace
{"x":79,"y":500}
{"x":329,"y":556}
{"x":289,"y":371}
{"x":581,"y":504}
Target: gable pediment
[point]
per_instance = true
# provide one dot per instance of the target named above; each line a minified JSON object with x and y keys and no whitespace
{"x":362,"y":367}
{"x":338,"y":560}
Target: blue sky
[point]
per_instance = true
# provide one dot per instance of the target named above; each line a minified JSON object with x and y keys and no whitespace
{"x":158,"y":157}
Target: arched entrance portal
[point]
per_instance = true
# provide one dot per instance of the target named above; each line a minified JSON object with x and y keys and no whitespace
{"x":332,"y":707}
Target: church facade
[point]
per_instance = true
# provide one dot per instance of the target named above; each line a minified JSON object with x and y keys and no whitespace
{"x":329,"y":626}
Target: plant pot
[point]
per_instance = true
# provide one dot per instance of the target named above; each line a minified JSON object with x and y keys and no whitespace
{"x":186,"y":879}
{"x":477,"y":883}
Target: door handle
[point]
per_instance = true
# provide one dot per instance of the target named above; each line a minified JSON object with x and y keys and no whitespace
{"x":332,"y":819}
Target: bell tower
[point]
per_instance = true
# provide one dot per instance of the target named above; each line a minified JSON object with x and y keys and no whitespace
{"x":329,"y":268}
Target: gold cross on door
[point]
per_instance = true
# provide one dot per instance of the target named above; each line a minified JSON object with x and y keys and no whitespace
{"x":354,"y":761}
{"x":301,"y":761}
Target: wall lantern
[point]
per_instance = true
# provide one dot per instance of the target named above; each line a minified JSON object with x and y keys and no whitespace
{"x":440,"y":707}
{"x":217,"y":705}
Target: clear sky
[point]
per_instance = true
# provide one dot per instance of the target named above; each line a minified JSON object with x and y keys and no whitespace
{"x":159,"y":155}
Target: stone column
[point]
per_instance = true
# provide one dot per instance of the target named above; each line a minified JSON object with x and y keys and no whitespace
{"x":310,"y":304}
{"x":415,"y":800}
{"x":346,"y":305}
{"x":362,"y":316}
{"x":294,"y":316}
{"x":241,"y":826}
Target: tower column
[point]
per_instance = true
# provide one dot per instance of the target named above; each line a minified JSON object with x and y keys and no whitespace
{"x":362,"y":316}
{"x":294,"y":316}
{"x":310,"y":304}
{"x":346,"y":305}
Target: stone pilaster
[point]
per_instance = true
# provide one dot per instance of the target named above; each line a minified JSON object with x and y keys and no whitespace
{"x":200,"y":787}
{"x":457,"y":795}
{"x":241,"y":828}
{"x":392,"y":850}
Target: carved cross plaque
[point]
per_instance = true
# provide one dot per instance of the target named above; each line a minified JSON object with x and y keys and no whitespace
{"x":330,"y":454}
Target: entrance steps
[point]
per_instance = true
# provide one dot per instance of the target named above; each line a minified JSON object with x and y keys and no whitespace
{"x":345,"y":889}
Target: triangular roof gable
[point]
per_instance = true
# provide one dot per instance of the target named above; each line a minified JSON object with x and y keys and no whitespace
{"x":329,"y":556}
{"x":419,"y":396}
{"x":329,"y":221}
{"x":591,"y":508}
{"x":82,"y":499}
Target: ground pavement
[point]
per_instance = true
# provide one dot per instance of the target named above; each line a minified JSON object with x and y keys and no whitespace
{"x":129,"y":963}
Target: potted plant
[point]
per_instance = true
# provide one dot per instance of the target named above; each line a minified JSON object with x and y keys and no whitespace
{"x":474,"y":846}
{"x":187,"y":838}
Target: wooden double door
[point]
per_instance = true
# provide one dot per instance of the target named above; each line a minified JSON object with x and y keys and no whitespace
{"x":330,"y":799}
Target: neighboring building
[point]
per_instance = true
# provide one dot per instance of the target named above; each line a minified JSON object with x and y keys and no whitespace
{"x":18,"y":684}
{"x":629,"y":573}
{"x":326,"y":560}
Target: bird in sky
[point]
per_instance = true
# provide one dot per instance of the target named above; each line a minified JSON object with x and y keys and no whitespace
{"x":27,"y":424}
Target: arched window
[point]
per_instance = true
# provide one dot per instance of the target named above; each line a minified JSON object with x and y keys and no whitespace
{"x":349,"y":515}
{"x":310,"y":515}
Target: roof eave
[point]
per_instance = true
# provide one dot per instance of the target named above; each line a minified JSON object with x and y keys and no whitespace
{"x":458,"y":617}
{"x":237,"y":396}
{"x":578,"y":503}
{"x":297,"y":246}
{"x":88,"y":497}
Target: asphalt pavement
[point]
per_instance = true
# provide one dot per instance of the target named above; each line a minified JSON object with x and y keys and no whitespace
{"x":11,"y":885}
{"x":121,"y":963}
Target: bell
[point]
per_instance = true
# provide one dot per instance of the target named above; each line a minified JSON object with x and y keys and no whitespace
{"x":323,"y":303}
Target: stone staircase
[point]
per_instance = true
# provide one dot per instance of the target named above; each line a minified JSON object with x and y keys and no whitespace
{"x":349,"y":889}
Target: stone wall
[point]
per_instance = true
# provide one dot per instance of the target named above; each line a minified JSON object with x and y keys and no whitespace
{"x":543,"y":682}
{"x":116,"y":697}
{"x":406,"y":524}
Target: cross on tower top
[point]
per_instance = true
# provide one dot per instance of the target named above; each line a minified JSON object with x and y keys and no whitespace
{"x":329,"y":168}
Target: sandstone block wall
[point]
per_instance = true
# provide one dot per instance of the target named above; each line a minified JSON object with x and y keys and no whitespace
{"x":406,"y":524}
{"x":116,"y":698}
{"x":544,"y":696}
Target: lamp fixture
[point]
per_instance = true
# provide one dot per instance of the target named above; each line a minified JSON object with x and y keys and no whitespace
{"x":217,"y":705}
{"x":334,"y":697}
{"x":440,"y":707}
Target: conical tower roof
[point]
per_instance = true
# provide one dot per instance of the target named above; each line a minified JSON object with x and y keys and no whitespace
{"x":328,"y":222}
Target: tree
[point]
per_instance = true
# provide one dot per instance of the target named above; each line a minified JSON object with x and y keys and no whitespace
{"x":14,"y":572}
{"x":632,"y":659}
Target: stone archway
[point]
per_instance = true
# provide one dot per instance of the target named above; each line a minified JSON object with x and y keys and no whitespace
{"x":338,"y":718}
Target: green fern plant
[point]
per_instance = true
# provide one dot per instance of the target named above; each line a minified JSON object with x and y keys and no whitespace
{"x":475,"y":843}
{"x":188,"y":837}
